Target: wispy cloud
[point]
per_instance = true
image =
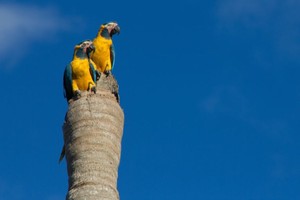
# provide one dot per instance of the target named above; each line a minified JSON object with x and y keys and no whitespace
{"x":225,"y":99}
{"x":246,"y":12}
{"x":258,"y":13}
{"x":278,"y":21}
{"x":23,"y":24}
{"x":229,"y":100}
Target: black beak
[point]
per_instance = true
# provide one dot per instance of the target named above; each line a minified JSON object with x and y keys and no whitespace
{"x":116,"y":30}
{"x":90,"y":49}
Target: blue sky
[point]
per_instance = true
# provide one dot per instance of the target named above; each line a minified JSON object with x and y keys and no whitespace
{"x":210,"y":91}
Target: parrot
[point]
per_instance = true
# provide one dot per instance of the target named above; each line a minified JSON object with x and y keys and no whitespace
{"x":81,"y":73}
{"x":104,"y":55}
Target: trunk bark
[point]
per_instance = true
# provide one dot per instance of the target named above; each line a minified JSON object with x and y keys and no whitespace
{"x":93,"y":131}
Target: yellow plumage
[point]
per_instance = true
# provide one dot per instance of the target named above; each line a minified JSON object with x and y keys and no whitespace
{"x":82,"y":79}
{"x":102,"y":54}
{"x":80,"y":74}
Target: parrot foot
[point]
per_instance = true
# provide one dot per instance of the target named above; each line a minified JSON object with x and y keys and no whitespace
{"x":77,"y":94}
{"x":98,"y":75}
{"x":93,"y":89}
{"x":107,"y":73}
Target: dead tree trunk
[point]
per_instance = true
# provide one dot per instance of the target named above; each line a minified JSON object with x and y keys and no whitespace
{"x":93,"y":131}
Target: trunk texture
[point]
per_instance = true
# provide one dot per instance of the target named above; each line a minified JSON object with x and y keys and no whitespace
{"x":93,"y":132}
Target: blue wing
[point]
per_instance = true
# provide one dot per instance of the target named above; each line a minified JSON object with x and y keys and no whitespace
{"x":94,"y":73}
{"x":68,"y":92}
{"x":112,"y":55}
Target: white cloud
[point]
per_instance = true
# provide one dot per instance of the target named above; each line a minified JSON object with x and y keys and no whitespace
{"x":257,"y":12}
{"x":276,"y":20}
{"x":225,"y":99}
{"x":229,"y":101}
{"x":247,"y":12}
{"x":24,"y":24}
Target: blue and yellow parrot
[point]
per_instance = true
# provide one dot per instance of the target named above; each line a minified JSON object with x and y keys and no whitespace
{"x":81,"y":73}
{"x":104,"y":55}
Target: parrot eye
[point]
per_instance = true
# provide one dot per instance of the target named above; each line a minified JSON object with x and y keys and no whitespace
{"x":84,"y":44}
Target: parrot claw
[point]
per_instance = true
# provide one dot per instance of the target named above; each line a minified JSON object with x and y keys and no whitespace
{"x":107,"y":73}
{"x":93,"y":89}
{"x":77,"y":94}
{"x":98,"y":75}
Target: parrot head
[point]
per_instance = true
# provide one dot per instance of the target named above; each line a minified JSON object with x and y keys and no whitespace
{"x":109,"y":29}
{"x":84,"y":49}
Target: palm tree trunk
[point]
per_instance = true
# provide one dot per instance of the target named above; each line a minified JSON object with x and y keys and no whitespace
{"x":93,"y":132}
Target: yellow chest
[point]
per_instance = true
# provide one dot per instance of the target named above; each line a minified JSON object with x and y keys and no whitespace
{"x":101,"y":56}
{"x":81,"y":75}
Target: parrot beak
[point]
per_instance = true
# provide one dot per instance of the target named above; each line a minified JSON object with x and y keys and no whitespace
{"x":91,"y":49}
{"x":116,"y":30}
